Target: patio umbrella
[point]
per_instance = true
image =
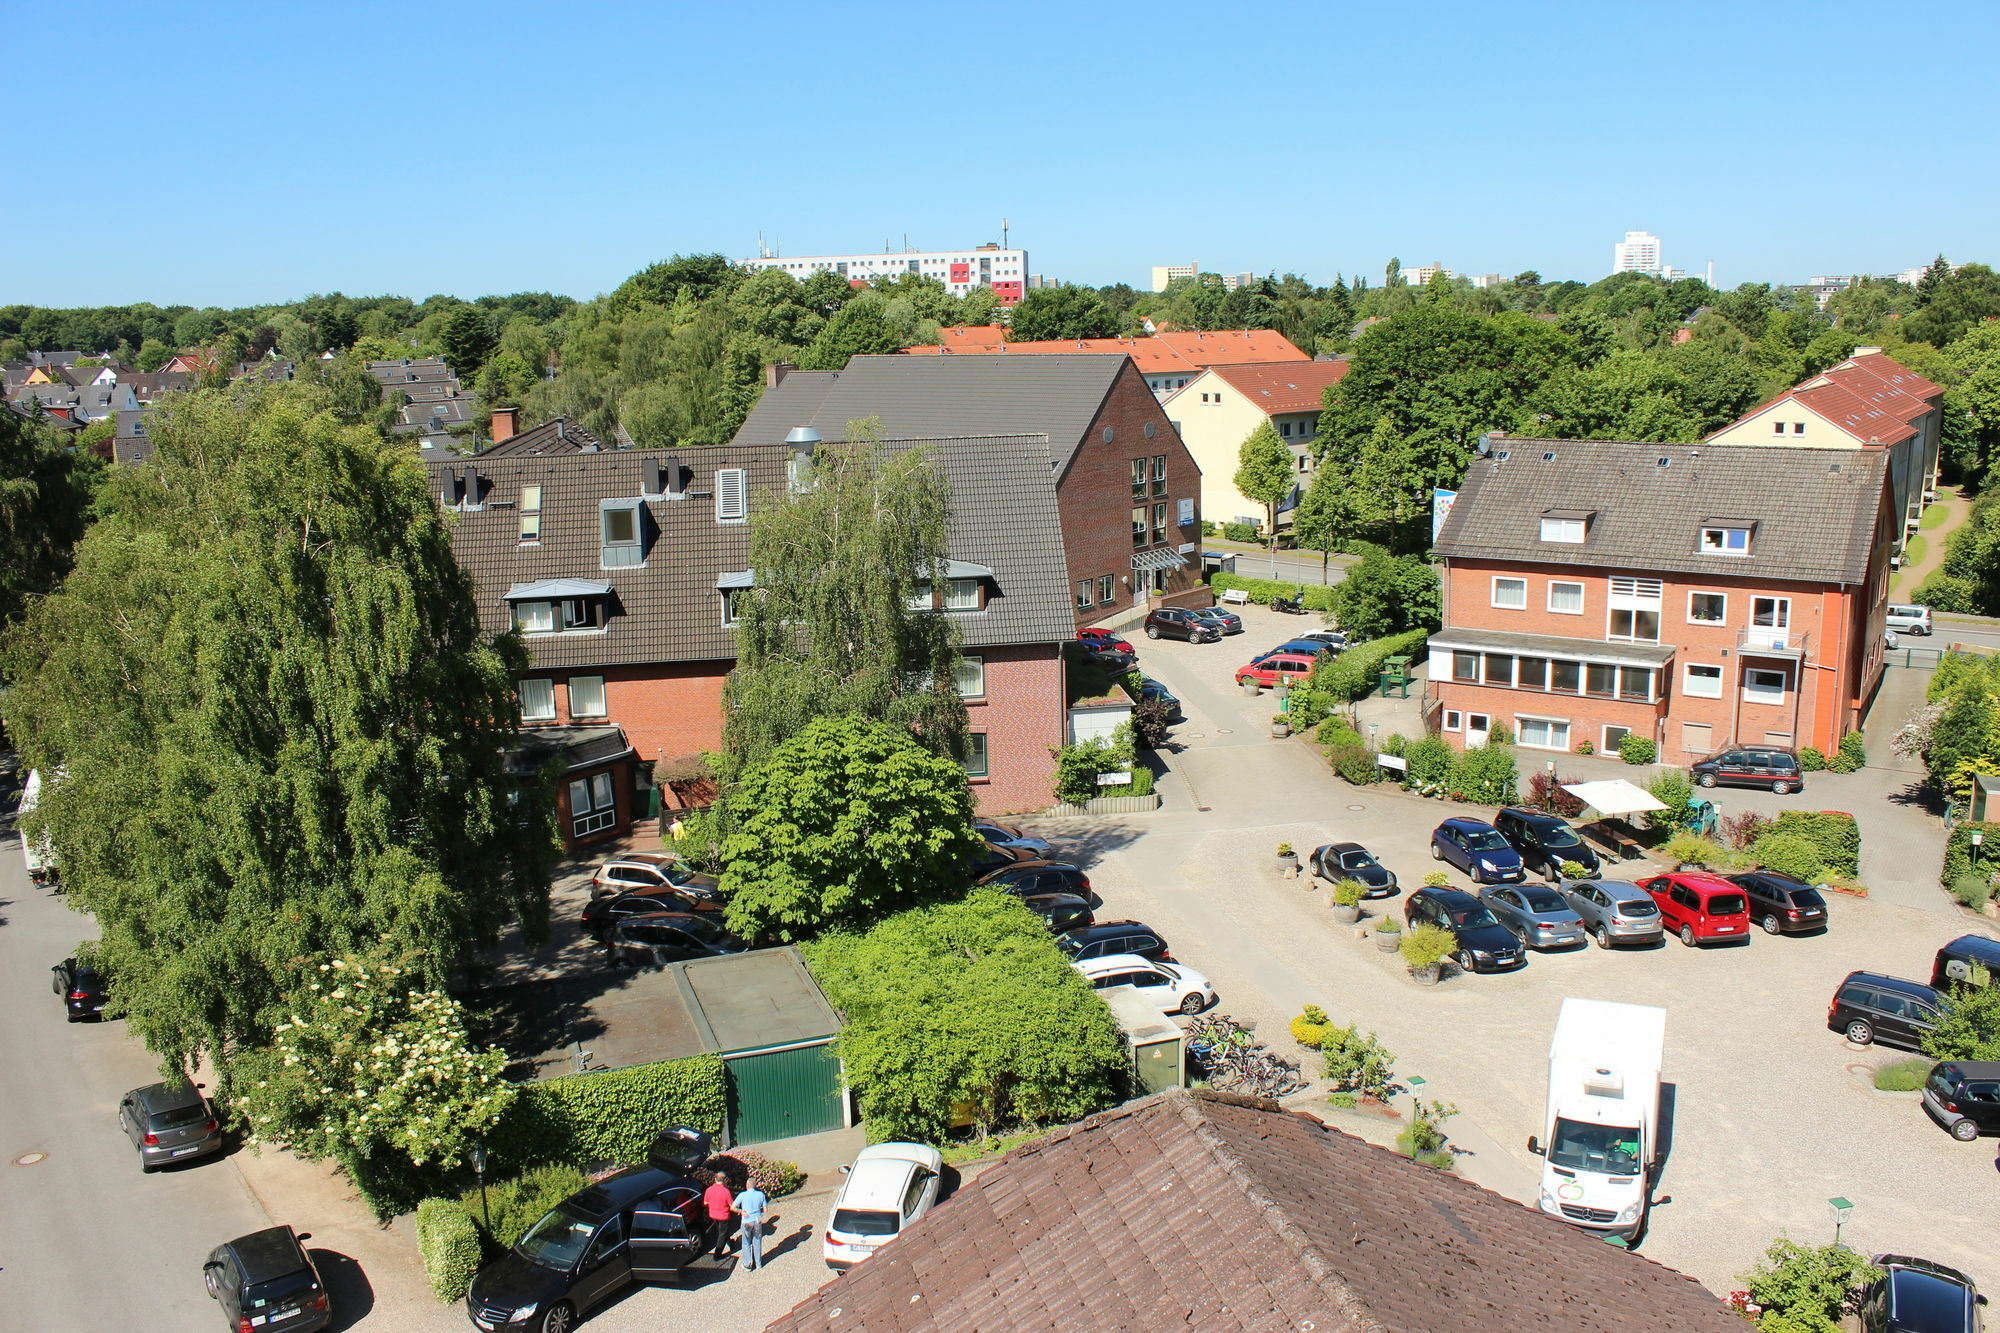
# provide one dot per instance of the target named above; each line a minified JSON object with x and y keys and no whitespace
{"x":1614,"y":797}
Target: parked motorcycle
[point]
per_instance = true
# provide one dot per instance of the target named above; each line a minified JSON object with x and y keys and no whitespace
{"x":1295,"y":605}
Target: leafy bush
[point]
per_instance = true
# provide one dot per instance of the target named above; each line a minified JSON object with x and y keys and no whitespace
{"x":1395,"y":743}
{"x":1309,"y":1028}
{"x":1078,"y":767}
{"x":1208,"y":528}
{"x":1685,"y":846}
{"x":1240,"y":532}
{"x":1337,"y":730}
{"x":517,"y":1203}
{"x":1349,"y":893}
{"x":1585,"y":747}
{"x":967,"y":1010}
{"x":1636,"y":749}
{"x":1427,"y":946}
{"x":1423,"y":1139}
{"x":1673,"y":790}
{"x":1388,"y":925}
{"x":1973,"y":891}
{"x":448,"y":1242}
{"x":1573,"y":870}
{"x":1545,"y":792}
{"x":1852,"y":755}
{"x":1356,"y":1062}
{"x":1142,"y":783}
{"x":1433,"y":763}
{"x":1499,"y":733}
{"x":1486,"y":775}
{"x":1834,"y":832}
{"x":1437,"y":879}
{"x":1903,"y":1075}
{"x":1356,"y":764}
{"x":1357,"y":671}
{"x":1791,"y":854}
{"x":1970,"y":1027}
{"x":1318,"y":597}
{"x":613,"y":1116}
{"x":1958,"y":858}
{"x":770,"y":1174}
{"x":1812,"y":760}
{"x":1387,"y":594}
{"x":1741,"y":830}
{"x":1305,"y":707}
{"x":1804,"y":1289}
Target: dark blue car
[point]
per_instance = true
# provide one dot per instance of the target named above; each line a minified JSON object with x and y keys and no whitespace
{"x":1476,"y":847}
{"x":1310,"y":647}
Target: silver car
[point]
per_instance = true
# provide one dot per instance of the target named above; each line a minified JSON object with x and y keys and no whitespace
{"x":169,"y":1122}
{"x":1614,"y":912}
{"x":1538,"y":915}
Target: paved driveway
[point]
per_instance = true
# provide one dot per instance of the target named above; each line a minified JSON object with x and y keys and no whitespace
{"x":1769,"y":1116}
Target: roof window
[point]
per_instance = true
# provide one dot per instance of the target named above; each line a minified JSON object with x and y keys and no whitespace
{"x":1723,"y":538}
{"x":1565,"y":525}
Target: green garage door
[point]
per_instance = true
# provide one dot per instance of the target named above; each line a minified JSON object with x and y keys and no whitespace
{"x":777,"y":1094}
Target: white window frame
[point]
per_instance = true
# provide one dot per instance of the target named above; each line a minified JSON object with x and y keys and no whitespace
{"x":1570,"y":530}
{"x":961,"y":595}
{"x":969,"y":675}
{"x":1086,"y":594}
{"x":1688,"y":679}
{"x":603,"y":706}
{"x":1693,"y":619}
{"x":1781,"y":609}
{"x":621,"y":553}
{"x":1608,"y":742}
{"x":539,"y":703}
{"x":597,"y":809}
{"x":1753,"y":695}
{"x":1635,"y":596}
{"x":732,"y":495}
{"x":1721,"y":544}
{"x":1521,"y":605}
{"x":1521,"y":734}
{"x":531,"y":516}
{"x":1580,"y":597}
{"x":1454,"y":720}
{"x":536,"y":617}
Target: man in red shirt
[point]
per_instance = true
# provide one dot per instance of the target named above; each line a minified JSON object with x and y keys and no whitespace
{"x":721,"y":1205}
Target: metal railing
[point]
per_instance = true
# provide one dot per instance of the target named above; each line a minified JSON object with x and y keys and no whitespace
{"x":1762,"y":641}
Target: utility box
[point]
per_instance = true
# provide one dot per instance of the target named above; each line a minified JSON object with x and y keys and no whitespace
{"x":1985,"y":795}
{"x":1153,"y":1042}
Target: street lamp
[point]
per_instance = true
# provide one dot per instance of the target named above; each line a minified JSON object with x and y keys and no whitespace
{"x":1977,"y":838}
{"x":478,"y":1159}
{"x":1840,"y":1209}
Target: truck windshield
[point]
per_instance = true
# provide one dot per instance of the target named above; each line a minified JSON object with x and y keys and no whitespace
{"x":1611,"y":1150}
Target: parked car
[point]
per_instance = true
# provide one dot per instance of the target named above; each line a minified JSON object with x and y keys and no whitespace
{"x":1226,"y":621}
{"x":1890,"y":641}
{"x":1869,"y":1007}
{"x":1539,"y":917}
{"x":1332,"y":638}
{"x":1311,"y":647}
{"x":888,"y":1187}
{"x":1963,"y":1096}
{"x":1059,"y":911}
{"x":1172,"y":622}
{"x":1010,"y":837}
{"x":1752,"y":766}
{"x":1106,"y":649}
{"x":1484,"y":945}
{"x":1909,"y":619}
{"x":264,"y":1281}
{"x":1959,"y":961}
{"x":1025,"y":878}
{"x":1476,"y":847}
{"x":656,"y":870}
{"x":1104,"y":638}
{"x":1278,"y":669}
{"x":1350,"y":860}
{"x":1780,"y":904}
{"x":642,"y":1224}
{"x":1918,"y":1296}
{"x":169,"y":1122}
{"x":990,"y":858}
{"x":1545,"y":841}
{"x":1700,"y":907}
{"x":1109,"y":937}
{"x":1176,"y":989}
{"x":658,"y":938}
{"x":1615,"y":912}
{"x":82,"y":987}
{"x":1151,"y":691}
{"x":601,"y":914}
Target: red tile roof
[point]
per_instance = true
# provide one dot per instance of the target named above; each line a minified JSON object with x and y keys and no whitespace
{"x":1870,"y":397}
{"x":1161,"y":354}
{"x":1285,"y":387}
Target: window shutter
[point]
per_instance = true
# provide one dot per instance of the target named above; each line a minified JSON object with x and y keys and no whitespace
{"x":731,"y":495}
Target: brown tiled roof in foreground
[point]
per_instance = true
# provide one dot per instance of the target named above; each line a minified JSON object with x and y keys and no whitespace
{"x":1225,"y":1214}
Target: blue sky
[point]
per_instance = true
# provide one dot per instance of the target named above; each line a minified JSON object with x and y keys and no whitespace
{"x":227,"y":155}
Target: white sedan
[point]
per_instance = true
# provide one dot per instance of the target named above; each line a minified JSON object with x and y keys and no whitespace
{"x":889,"y":1186}
{"x":1176,"y":988}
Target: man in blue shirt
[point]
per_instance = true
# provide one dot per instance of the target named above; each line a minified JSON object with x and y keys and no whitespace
{"x":750,"y":1207}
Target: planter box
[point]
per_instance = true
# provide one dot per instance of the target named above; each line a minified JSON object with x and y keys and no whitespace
{"x":1109,"y":805}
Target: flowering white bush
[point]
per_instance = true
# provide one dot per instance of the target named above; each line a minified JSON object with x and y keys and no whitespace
{"x":373,"y":1065}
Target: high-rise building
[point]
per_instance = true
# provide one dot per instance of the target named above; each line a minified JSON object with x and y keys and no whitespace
{"x":1165,"y":275}
{"x":961,"y":271}
{"x":1639,"y":252}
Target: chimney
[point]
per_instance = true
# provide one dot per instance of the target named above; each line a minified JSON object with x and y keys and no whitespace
{"x":506,"y":420}
{"x":675,"y":477}
{"x":1868,"y":351}
{"x":775,"y":372}
{"x":799,"y":469}
{"x":468,"y":487}
{"x":652,"y":481}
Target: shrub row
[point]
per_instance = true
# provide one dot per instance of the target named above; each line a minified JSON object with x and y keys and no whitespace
{"x":613,"y":1116}
{"x":448,"y":1242}
{"x":1834,"y":838}
{"x":1355,"y":672}
{"x":1319,"y":596}
{"x":517,"y":1202}
{"x":1958,"y":859}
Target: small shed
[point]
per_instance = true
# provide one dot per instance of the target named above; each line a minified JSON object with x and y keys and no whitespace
{"x":1091,"y":719}
{"x":1985,"y":795}
{"x":765,"y":1015}
{"x":1152,"y":1040}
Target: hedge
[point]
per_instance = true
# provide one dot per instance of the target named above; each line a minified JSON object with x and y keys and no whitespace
{"x":515,"y":1203}
{"x":613,"y":1116}
{"x":1355,"y":672}
{"x":448,"y":1241}
{"x":1836,"y":836}
{"x":1958,"y":851}
{"x":1319,"y":596}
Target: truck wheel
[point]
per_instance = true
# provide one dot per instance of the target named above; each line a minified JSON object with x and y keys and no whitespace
{"x":1964,"y":1131}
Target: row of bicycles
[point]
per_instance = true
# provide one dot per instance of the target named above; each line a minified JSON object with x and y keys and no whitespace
{"x":1232,"y":1059}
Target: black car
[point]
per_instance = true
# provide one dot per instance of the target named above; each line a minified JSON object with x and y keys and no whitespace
{"x":1112,"y":937}
{"x":644,"y":1224}
{"x":1025,"y":878}
{"x":1918,"y":1296}
{"x":1484,"y":945}
{"x":1226,"y":621}
{"x":1059,"y":911}
{"x":1545,"y":842}
{"x":600,"y":915}
{"x":1350,"y":860}
{"x":169,"y":1122}
{"x":1961,"y":961}
{"x":658,"y":938}
{"x":1869,"y":1007}
{"x":1964,"y":1097}
{"x":82,"y":988}
{"x":991,"y":858}
{"x":1171,"y":622}
{"x":1780,"y":904}
{"x":264,"y":1281}
{"x":1752,"y":766}
{"x":1152,"y":692}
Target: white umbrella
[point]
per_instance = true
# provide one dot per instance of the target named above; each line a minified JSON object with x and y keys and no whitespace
{"x":1614,"y":797}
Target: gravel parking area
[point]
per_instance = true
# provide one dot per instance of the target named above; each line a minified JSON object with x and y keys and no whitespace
{"x":1770,"y":1114}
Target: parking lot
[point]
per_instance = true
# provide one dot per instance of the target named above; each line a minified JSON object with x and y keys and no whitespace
{"x":1771,"y":1115}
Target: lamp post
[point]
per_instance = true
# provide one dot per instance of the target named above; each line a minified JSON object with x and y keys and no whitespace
{"x":478,"y":1159}
{"x":1977,"y":838}
{"x":1840,"y":1208}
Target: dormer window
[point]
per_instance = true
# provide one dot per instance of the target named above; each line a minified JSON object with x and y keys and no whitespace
{"x":1565,"y":525}
{"x":621,"y":534}
{"x":1724,"y":539}
{"x":559,"y":606}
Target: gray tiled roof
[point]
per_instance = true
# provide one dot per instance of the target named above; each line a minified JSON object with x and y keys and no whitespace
{"x":1814,"y":510}
{"x":670,"y":610}
{"x":1225,"y":1214}
{"x":576,"y":747}
{"x":932,"y":397}
{"x":557,"y":436}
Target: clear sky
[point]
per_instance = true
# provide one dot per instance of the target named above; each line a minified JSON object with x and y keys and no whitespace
{"x":229,"y":154}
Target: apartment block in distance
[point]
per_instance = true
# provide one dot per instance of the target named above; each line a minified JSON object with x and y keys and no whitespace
{"x":1219,"y":408}
{"x":961,"y":271}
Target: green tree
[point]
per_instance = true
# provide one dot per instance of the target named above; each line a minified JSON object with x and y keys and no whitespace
{"x":1972,"y":402}
{"x":1806,"y":1289}
{"x":695,"y":277}
{"x":467,"y":339}
{"x":280,"y":730}
{"x":1264,"y":473}
{"x":1935,"y":275}
{"x":1957,"y":303}
{"x":505,"y":381}
{"x":856,"y":329}
{"x":1061,"y":312}
{"x":1386,"y":594}
{"x":1321,"y":520}
{"x":846,"y":821}
{"x":1969,"y":1028}
{"x":152,"y":355}
{"x":44,"y":499}
{"x":1964,"y":733}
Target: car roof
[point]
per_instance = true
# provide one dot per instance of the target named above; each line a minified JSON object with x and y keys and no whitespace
{"x":1104,"y":930}
{"x":1533,"y":816}
{"x":1276,"y":653}
{"x":1972,"y":1069}
{"x":1976,"y":946}
{"x":1777,"y":876}
{"x":1926,"y":1295}
{"x":625,"y":1189}
{"x":1902,"y":984}
{"x":702,"y":923}
{"x":1464,"y":824}
{"x":1345,"y":847}
{"x":1631,"y":890}
{"x":1052,"y":899}
{"x":1113,"y":962}
{"x":263,"y":1255}
{"x":1706,"y":880}
{"x":1448,"y":896}
{"x":877,"y":1180}
{"x":158,"y":1097}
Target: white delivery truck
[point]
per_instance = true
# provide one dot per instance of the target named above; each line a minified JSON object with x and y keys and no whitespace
{"x":41,"y":860}
{"x":1601,"y":1132}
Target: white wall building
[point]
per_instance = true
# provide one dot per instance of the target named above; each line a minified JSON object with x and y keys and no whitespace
{"x":1639,"y":252}
{"x":961,"y":271}
{"x":1164,"y":276}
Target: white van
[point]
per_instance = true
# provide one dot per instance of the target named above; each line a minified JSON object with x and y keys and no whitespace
{"x":1910,"y":619}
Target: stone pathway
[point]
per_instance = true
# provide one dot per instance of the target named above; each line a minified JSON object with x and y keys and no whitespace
{"x":1905,"y":582}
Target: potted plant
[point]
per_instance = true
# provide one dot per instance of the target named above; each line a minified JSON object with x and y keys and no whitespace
{"x":1281,"y":725}
{"x":1347,"y":896}
{"x":1425,"y":949}
{"x":1288,"y":860}
{"x":1388,"y":934}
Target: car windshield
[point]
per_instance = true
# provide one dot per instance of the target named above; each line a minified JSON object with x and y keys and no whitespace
{"x":1638,"y":907}
{"x":178,"y":1117}
{"x":1559,"y":835}
{"x":1485,"y":840}
{"x":1611,"y":1150}
{"x":1541,"y":900}
{"x":1357,"y":861}
{"x":1468,"y":917}
{"x":703,"y":929}
{"x":557,"y":1240}
{"x":1807,"y":898}
{"x":278,"y":1289}
{"x":864,"y":1222}
{"x":1727,"y":904}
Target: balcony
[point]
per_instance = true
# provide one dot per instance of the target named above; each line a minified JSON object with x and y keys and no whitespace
{"x":1763,"y":641}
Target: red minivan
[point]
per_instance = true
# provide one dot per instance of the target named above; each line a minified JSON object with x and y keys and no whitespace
{"x":1701,"y":908}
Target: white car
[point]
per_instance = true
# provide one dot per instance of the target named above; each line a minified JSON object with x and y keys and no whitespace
{"x":1332,"y":638}
{"x":1176,"y":988}
{"x":889,"y":1186}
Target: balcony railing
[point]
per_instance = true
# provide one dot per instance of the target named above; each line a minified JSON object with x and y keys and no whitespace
{"x":1761,"y":641}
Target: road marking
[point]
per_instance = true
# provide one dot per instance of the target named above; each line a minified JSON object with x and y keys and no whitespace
{"x":30,"y":1158}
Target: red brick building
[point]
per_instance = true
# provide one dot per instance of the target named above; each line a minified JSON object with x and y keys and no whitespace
{"x":1699,"y":596}
{"x":618,"y":567}
{"x":1128,"y":490}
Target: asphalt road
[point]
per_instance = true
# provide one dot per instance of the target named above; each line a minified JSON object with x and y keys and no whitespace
{"x":1257,"y":563}
{"x":86,"y":1241}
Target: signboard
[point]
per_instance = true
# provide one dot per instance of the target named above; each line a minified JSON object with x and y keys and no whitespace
{"x":1394,"y":761}
{"x":1114,"y":779}
{"x":1185,"y":548}
{"x":1441,"y":503}
{"x":1187,"y":513}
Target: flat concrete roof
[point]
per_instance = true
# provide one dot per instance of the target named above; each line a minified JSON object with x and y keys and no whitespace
{"x":766,"y":997}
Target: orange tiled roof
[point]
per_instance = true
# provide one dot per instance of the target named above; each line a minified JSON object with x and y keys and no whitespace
{"x":1285,"y":386}
{"x":1163,"y":353}
{"x":1870,"y":397}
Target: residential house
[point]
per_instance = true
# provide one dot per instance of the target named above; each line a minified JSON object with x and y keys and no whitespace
{"x":1695,"y":595}
{"x":132,"y":443}
{"x":1115,"y":454}
{"x":1219,"y":408}
{"x":1224,"y":1213}
{"x":1168,"y":360}
{"x":1866,"y":402}
{"x":84,"y":403}
{"x":620,"y":568}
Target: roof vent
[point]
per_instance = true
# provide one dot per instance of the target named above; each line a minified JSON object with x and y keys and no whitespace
{"x":1548,"y":458}
{"x":1663,"y":462}
{"x":1503,"y":455}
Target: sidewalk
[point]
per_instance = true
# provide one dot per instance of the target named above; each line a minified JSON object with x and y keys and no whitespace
{"x":1926,"y":545}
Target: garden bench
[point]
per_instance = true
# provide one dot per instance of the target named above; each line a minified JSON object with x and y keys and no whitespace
{"x":1233,"y":597}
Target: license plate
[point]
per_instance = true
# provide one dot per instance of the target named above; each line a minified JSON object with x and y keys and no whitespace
{"x":178,"y":1152}
{"x":1724,"y":930}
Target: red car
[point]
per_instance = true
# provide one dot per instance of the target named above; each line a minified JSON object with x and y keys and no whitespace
{"x":1103,"y":638}
{"x":1278,"y":669}
{"x":1701,"y":908}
